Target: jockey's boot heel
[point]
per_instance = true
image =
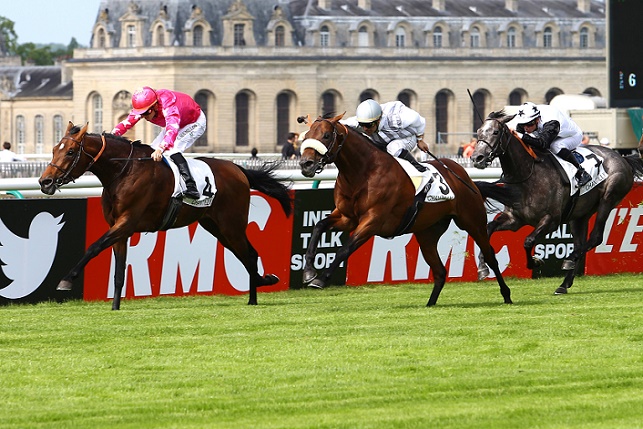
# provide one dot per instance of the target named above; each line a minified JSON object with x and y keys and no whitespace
{"x":405,"y":154}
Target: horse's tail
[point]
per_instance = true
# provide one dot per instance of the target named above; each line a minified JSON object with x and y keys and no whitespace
{"x":500,"y":191}
{"x":636,"y":163}
{"x":263,"y":180}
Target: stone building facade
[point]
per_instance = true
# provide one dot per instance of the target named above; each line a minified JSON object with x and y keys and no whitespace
{"x":255,"y":65}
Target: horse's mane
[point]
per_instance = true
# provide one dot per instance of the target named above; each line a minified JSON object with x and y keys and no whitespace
{"x":500,"y":114}
{"x":75,"y":129}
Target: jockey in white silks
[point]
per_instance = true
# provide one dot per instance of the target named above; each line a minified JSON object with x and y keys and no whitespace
{"x":546,"y":127}
{"x":391,"y":125}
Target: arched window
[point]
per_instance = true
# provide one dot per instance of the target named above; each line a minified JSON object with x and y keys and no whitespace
{"x":365,"y":95}
{"x":437,"y":37}
{"x":197,"y":35}
{"x":283,"y":117}
{"x":474,"y":37}
{"x":548,"y":37}
{"x":511,"y":37}
{"x":242,"y":119}
{"x":131,"y":36}
{"x":515,"y":98}
{"x":280,"y":36}
{"x":552,"y":93}
{"x":584,"y":38}
{"x":405,"y":97}
{"x":160,"y":36}
{"x":201,"y":99}
{"x":479,"y":105}
{"x":362,"y":36}
{"x":328,"y":103}
{"x":400,"y":37}
{"x":58,"y":128}
{"x":39,"y":133}
{"x":324,"y":36}
{"x":441,"y":116}
{"x":101,"y":38}
{"x":20,"y":133}
{"x":97,"y":112}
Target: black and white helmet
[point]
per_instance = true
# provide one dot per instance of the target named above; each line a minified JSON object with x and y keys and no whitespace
{"x":527,"y":113}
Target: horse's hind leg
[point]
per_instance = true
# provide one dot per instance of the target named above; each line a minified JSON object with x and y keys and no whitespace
{"x":237,"y":242}
{"x":428,"y":241}
{"x":120,"y":256}
{"x":578,"y":229}
{"x":479,"y":235}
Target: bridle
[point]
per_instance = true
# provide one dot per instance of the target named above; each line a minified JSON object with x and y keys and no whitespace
{"x":67,"y":177}
{"x":330,"y":155}
{"x":500,"y":148}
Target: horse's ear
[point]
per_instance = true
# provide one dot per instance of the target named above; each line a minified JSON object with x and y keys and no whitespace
{"x":70,"y":125}
{"x":508,"y":118}
{"x":83,"y":130}
{"x":338,"y":117}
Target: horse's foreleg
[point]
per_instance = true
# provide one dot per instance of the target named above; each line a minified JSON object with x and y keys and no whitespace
{"x":320,"y":227}
{"x":544,"y":226}
{"x":578,"y":229}
{"x":362,"y":233}
{"x":120,"y":256}
{"x":105,"y":241}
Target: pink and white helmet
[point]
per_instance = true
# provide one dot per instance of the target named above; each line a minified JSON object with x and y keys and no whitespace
{"x":143,"y":99}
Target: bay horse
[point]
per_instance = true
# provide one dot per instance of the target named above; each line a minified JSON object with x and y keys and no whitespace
{"x":137,"y":193}
{"x":372,"y":195}
{"x":534,"y":192}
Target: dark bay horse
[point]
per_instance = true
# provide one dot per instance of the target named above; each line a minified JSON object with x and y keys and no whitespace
{"x":534,"y":192}
{"x":136,"y":196}
{"x":372,"y":195}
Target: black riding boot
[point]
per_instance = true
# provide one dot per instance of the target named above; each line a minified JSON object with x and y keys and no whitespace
{"x":582,"y":177}
{"x":191,"y":190}
{"x":405,"y":154}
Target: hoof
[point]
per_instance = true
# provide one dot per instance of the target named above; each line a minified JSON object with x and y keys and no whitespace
{"x":317,"y":284}
{"x":64,"y":285}
{"x":568,"y":265}
{"x":483,"y":273}
{"x":560,"y":291}
{"x":309,"y":276}
{"x":269,"y":280}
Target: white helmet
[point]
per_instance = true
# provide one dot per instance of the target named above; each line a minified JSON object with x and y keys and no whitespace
{"x":368,"y":111}
{"x":527,"y":113}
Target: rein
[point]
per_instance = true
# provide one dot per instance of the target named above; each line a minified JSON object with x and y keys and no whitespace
{"x":501,"y":147}
{"x":81,"y":143}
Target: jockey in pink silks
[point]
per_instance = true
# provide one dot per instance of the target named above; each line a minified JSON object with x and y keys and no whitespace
{"x":182,"y":120}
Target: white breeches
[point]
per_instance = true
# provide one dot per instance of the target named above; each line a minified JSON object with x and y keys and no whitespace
{"x":394,"y":147}
{"x":186,"y":137}
{"x":570,"y":143}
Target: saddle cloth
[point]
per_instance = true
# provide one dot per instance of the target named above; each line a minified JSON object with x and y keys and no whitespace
{"x":593,"y":165}
{"x":431,"y":180}
{"x":203,"y":177}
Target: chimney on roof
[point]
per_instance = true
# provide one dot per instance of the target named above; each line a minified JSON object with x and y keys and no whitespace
{"x":584,"y":5}
{"x":324,"y":4}
{"x":439,"y":4}
{"x":364,"y":4}
{"x":511,"y":5}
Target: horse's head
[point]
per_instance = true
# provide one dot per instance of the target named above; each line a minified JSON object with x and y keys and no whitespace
{"x":69,"y":160}
{"x":323,"y":142}
{"x":493,"y":137}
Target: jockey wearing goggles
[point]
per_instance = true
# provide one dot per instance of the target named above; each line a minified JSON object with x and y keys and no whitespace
{"x":546,"y":127}
{"x":391,"y":125}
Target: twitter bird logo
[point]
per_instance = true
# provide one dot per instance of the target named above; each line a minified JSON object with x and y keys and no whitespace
{"x":25,"y":262}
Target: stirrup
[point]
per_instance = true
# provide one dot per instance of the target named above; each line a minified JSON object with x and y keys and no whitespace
{"x":584,"y":179}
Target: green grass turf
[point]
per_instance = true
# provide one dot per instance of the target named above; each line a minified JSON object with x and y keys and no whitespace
{"x":343,"y":357}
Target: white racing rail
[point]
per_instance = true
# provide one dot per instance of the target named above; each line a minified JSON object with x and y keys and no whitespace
{"x":89,"y":185}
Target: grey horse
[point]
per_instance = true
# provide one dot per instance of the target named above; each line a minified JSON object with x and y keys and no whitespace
{"x":534,"y":192}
